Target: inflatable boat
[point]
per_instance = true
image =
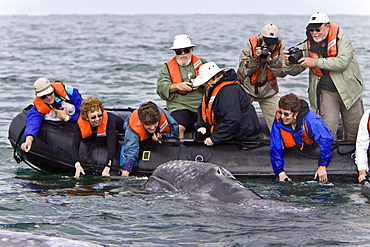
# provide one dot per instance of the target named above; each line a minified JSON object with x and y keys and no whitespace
{"x":51,"y":153}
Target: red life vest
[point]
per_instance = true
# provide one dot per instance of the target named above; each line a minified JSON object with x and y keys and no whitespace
{"x":136,"y":125}
{"x":208,"y":115}
{"x":173,"y":68}
{"x":288,"y":138}
{"x":368,"y":123}
{"x":43,"y":108}
{"x":270,"y":75}
{"x":332,"y":47}
{"x":85,"y":126}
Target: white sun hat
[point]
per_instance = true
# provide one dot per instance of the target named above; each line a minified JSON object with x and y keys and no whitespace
{"x":42,"y":87}
{"x":181,"y":41}
{"x":317,"y":19}
{"x":206,"y":72}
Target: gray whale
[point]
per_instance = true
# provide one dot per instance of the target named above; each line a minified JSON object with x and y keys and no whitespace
{"x":197,"y":177}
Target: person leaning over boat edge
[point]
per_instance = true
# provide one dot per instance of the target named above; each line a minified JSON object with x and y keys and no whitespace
{"x":362,"y":147}
{"x":226,"y":112}
{"x":174,"y":83}
{"x":296,"y":125}
{"x":95,"y":122}
{"x":55,"y":102}
{"x":260,"y":63}
{"x":335,"y":81}
{"x":148,"y":121}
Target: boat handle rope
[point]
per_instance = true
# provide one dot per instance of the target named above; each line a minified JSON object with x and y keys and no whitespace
{"x":16,"y":156}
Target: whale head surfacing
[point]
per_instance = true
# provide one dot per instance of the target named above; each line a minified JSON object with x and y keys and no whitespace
{"x":197,"y":177}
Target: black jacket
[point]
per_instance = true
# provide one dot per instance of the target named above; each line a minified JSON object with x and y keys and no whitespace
{"x":235,"y":115}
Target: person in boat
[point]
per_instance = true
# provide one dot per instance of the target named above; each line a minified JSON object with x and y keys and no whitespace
{"x":335,"y":81}
{"x":295,"y":125}
{"x":362,"y":147}
{"x":174,"y":84}
{"x":147,"y":122}
{"x":226,"y":112}
{"x":260,"y":63}
{"x":94,"y":122}
{"x":55,"y":102}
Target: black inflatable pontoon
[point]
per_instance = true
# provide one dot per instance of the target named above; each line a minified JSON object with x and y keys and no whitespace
{"x":51,"y":152}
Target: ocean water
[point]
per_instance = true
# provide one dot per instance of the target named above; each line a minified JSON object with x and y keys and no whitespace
{"x":117,"y":58}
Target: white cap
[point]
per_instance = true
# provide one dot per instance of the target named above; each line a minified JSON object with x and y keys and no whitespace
{"x":42,"y":87}
{"x":317,"y":19}
{"x":206,"y":72}
{"x":270,"y":31}
{"x":181,"y":41}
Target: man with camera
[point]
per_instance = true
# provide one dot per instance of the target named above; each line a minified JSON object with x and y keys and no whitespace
{"x":335,"y":80}
{"x":260,"y":62}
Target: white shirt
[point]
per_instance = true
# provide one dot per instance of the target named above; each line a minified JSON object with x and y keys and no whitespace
{"x":362,"y":143}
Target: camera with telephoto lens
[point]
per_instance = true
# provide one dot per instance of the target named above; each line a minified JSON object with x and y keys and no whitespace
{"x":265,"y":50}
{"x":294,"y":54}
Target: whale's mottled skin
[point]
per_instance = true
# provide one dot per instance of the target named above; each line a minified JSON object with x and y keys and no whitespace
{"x":197,"y":177}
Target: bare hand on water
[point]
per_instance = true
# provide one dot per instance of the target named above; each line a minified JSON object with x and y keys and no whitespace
{"x":125,"y":173}
{"x":106,"y":171}
{"x":283,"y":177}
{"x":321,"y":174}
{"x":362,"y":175}
{"x":79,"y":170}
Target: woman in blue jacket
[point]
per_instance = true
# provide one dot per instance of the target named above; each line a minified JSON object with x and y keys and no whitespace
{"x":296,"y":125}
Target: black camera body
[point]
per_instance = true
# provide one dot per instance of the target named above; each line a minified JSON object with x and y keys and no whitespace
{"x":265,"y":50}
{"x":294,"y":54}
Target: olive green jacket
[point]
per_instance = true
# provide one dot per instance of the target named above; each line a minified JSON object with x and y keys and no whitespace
{"x":176,"y":101}
{"x":345,"y":74}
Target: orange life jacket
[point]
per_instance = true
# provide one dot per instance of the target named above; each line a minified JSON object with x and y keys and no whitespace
{"x":368,"y":124}
{"x":136,"y":125}
{"x":43,"y":108}
{"x":208,"y":115}
{"x":270,"y":75}
{"x":173,"y":68}
{"x":85,"y":126}
{"x":332,"y":47}
{"x":288,"y":138}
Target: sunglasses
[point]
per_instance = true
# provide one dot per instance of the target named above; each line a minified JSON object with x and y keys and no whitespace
{"x":46,"y":95}
{"x":179,"y":52}
{"x":315,"y":29}
{"x":95,"y":116}
{"x":284,"y":113}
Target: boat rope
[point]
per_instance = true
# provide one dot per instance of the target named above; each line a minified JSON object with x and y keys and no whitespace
{"x":16,"y":156}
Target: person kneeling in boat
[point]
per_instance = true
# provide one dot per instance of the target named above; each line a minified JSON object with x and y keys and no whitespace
{"x":362,"y":147}
{"x":296,"y":125}
{"x":55,"y":102}
{"x":148,"y":121}
{"x":226,"y":112}
{"x":95,"y":122}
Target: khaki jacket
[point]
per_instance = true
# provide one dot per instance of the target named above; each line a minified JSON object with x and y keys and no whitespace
{"x":345,"y":74}
{"x":248,"y":64}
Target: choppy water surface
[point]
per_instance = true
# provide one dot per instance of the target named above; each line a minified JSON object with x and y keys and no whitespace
{"x":117,"y":59}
